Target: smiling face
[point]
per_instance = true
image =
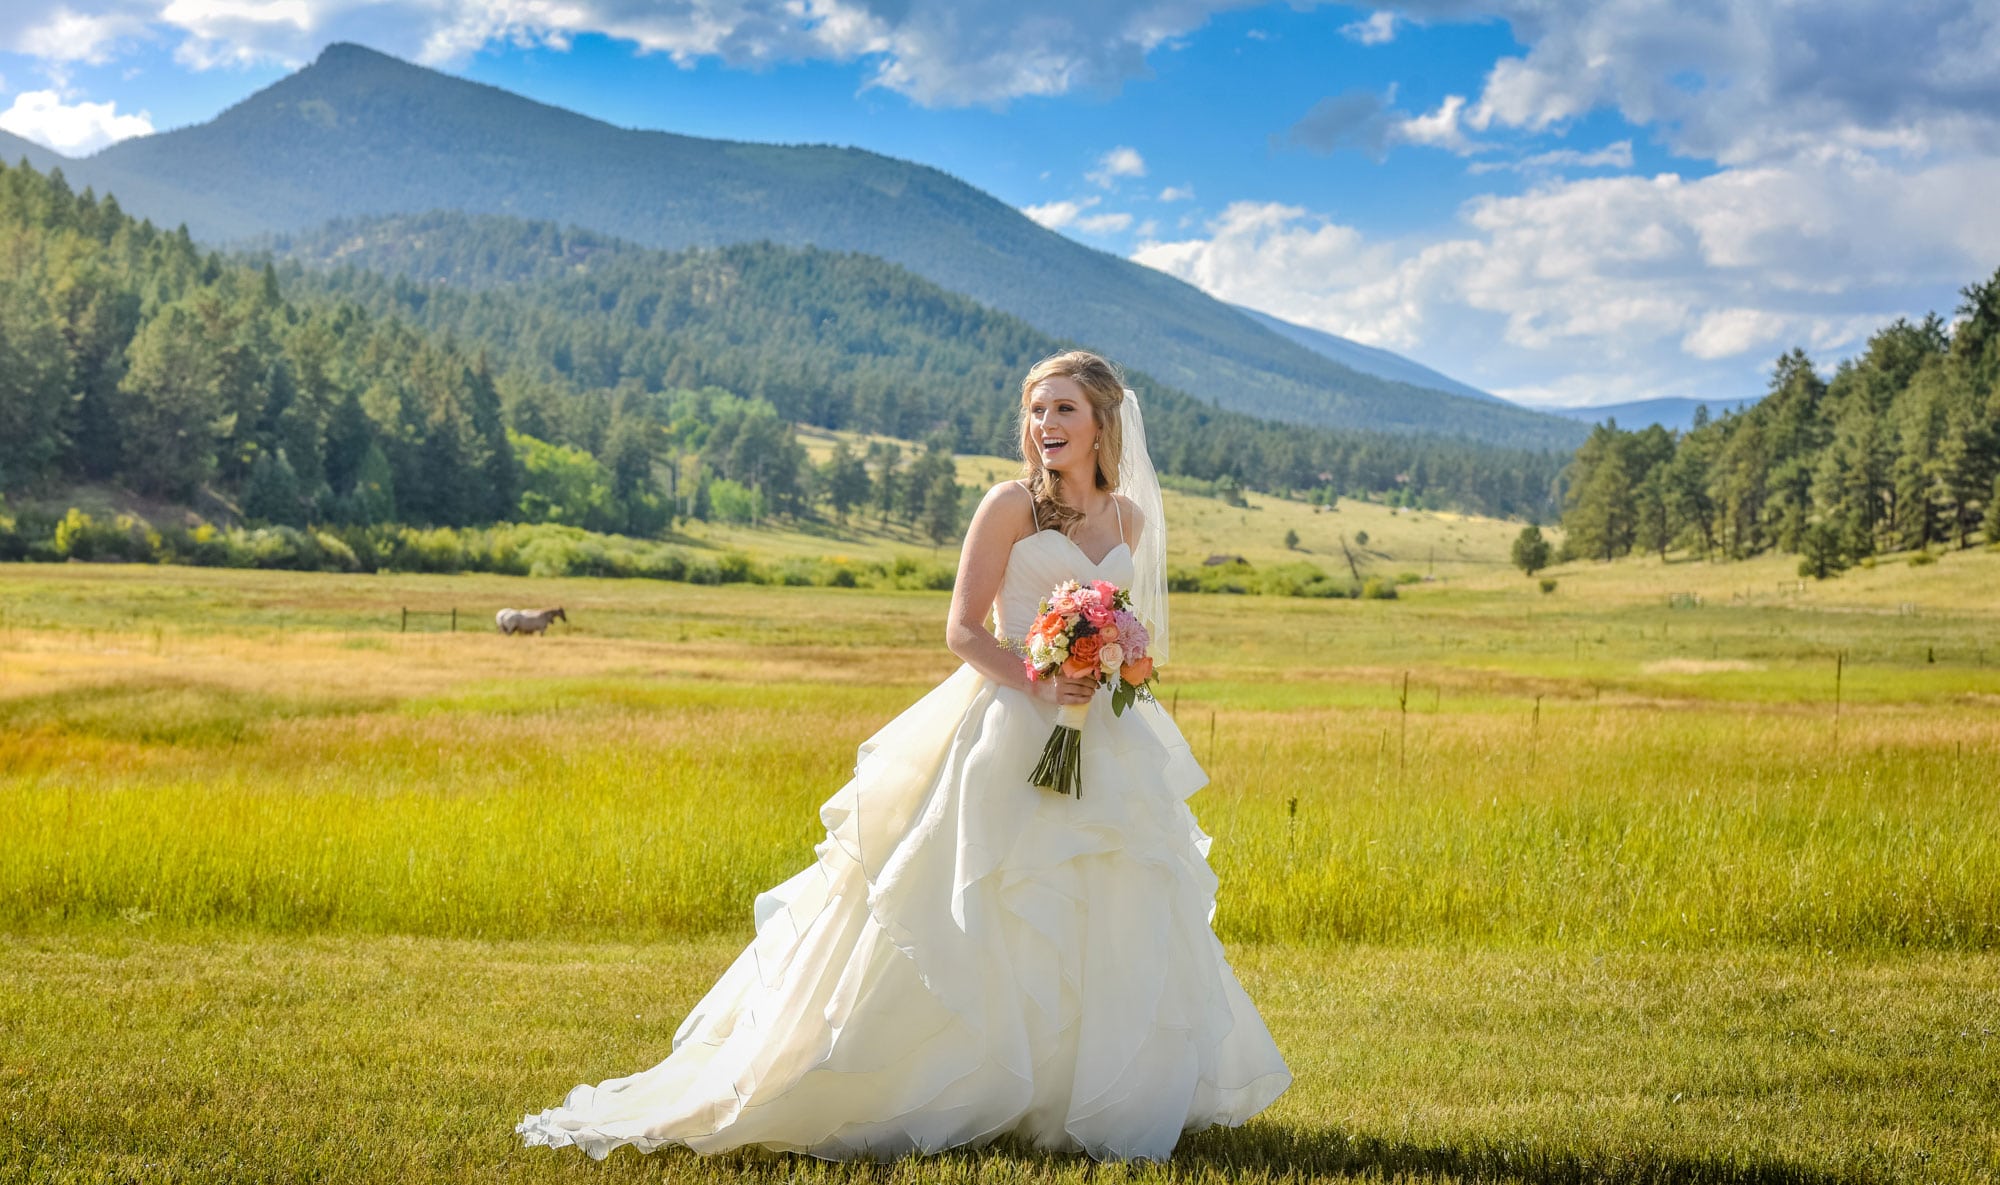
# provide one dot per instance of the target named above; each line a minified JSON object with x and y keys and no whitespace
{"x":1060,"y":427}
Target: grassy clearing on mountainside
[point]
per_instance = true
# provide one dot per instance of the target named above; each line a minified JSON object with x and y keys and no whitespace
{"x":1576,"y":886}
{"x":1398,"y":542}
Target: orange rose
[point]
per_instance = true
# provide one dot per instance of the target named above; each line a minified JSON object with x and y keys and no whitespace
{"x":1079,"y":670}
{"x":1087,"y":648}
{"x":1109,"y":633}
{"x":1137,"y":671}
{"x":1050,"y":625}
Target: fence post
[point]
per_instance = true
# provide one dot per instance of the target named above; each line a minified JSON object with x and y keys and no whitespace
{"x":454,"y":619}
{"x":406,"y":619}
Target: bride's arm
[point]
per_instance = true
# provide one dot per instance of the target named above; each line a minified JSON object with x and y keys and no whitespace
{"x":1005,"y":517}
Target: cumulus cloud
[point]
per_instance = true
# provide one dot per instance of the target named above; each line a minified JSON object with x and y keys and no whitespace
{"x":1378,"y":29}
{"x":1627,"y":287}
{"x":61,"y":34}
{"x":937,"y":52}
{"x":1177,"y":193}
{"x":1056,"y":215}
{"x":73,"y":129}
{"x":1739,"y":83}
{"x":1119,"y":162}
{"x":1370,"y":123}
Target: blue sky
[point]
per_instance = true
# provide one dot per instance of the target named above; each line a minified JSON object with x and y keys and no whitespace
{"x":1562,"y":201}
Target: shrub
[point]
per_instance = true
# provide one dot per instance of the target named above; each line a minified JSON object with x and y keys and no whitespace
{"x":1548,"y":585}
{"x":1377,"y":589}
{"x":1531,"y":550}
{"x":80,"y":537}
{"x":13,"y":542}
{"x":1922,"y":558}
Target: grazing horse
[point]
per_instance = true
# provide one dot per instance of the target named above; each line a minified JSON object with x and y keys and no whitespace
{"x":525,"y":621}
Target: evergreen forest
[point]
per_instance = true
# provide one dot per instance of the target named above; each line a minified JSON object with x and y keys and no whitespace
{"x":515,"y":372}
{"x":1898,"y":451}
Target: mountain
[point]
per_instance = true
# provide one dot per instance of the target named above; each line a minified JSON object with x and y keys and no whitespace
{"x":1367,"y":359}
{"x":1677,"y":414}
{"x":13,"y":150}
{"x":836,"y":339}
{"x":359,"y":133}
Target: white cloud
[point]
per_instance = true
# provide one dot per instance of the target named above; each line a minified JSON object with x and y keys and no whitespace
{"x":937,"y":52}
{"x":73,"y":129}
{"x":1740,"y":83}
{"x":1725,"y":333}
{"x":1099,"y":224}
{"x":1370,"y":123}
{"x":227,"y":32}
{"x":1177,"y":193}
{"x":1121,"y":161}
{"x":1610,"y":288}
{"x":1612,"y":156}
{"x":1378,"y":29}
{"x":61,"y":34}
{"x":1439,"y":129}
{"x":1056,"y":215}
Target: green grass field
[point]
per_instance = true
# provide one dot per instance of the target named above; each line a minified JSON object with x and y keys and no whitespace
{"x":1567,"y":887}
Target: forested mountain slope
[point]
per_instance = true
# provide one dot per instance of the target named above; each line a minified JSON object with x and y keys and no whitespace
{"x":361,"y":133}
{"x":834,"y":339}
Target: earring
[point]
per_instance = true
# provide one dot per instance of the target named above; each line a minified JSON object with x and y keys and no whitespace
{"x":1094,"y":445}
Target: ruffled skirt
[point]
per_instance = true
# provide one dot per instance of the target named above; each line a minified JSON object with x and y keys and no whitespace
{"x":969,"y":957}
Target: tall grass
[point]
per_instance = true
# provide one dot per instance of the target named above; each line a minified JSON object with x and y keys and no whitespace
{"x":1584,"y":775}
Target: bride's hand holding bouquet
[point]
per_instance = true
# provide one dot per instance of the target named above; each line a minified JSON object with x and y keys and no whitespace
{"x":1086,"y":636}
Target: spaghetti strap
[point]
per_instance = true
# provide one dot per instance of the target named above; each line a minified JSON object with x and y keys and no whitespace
{"x":1121,"y":517}
{"x":1031,"y":506}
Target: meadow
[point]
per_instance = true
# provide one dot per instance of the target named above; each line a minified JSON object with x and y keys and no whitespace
{"x":1678,"y":873}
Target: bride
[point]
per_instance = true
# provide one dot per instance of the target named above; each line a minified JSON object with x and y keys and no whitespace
{"x":972,"y":957}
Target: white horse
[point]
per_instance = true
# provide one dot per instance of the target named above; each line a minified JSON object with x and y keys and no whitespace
{"x":528,"y":621}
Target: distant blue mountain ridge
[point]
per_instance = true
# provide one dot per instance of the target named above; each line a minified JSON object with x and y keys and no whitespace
{"x":1367,"y":359}
{"x":1676,"y":414}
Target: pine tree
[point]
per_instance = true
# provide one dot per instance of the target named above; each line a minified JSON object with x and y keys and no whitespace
{"x":1820,"y":551}
{"x":940,"y":513}
{"x":373,"y":498}
{"x":34,"y":383}
{"x":272,"y":491}
{"x":846,"y":480}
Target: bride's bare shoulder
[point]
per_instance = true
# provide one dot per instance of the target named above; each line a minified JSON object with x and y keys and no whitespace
{"x":1010,"y":497}
{"x":1009,"y":508}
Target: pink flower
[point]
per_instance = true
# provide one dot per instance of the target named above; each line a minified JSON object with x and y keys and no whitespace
{"x":1132,"y":634}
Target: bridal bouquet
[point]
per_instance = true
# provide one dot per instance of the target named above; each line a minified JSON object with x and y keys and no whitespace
{"x":1085,"y":631}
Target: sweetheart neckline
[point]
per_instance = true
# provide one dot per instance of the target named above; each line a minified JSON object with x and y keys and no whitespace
{"x":1076,"y":547}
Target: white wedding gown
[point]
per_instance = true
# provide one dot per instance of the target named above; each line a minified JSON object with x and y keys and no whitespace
{"x":971,"y":956}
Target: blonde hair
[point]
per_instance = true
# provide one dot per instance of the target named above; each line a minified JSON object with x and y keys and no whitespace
{"x":1104,"y":388}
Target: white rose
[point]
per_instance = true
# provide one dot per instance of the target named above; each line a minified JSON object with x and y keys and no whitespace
{"x":1111,"y":657}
